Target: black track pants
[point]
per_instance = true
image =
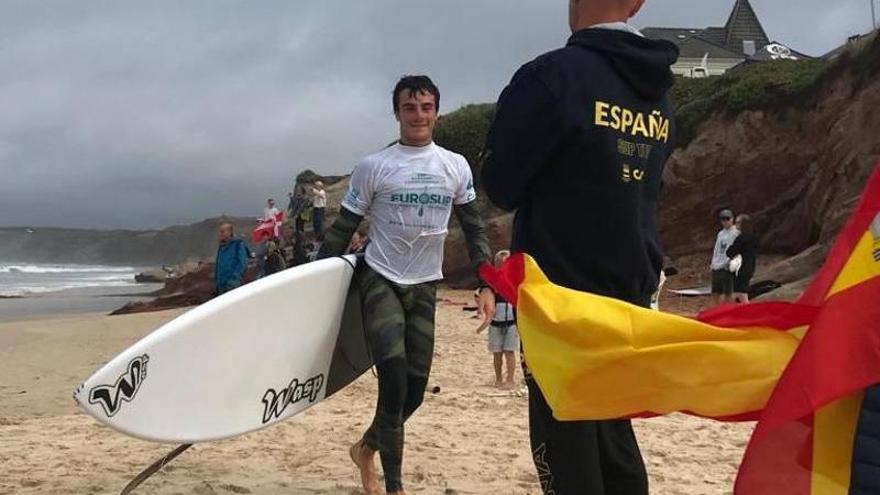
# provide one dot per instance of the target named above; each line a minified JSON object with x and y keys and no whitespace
{"x":583,"y":457}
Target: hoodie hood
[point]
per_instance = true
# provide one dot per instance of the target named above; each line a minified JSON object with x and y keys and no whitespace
{"x":643,"y":63}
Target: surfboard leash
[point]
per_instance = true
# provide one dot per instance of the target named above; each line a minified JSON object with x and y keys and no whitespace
{"x":154,"y":468}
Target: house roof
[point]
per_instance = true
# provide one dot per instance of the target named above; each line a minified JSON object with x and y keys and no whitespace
{"x":697,"y":47}
{"x":743,"y":24}
{"x":675,"y":35}
{"x":725,"y":42}
{"x":717,"y":35}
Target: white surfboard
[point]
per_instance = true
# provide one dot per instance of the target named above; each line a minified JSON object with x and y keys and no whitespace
{"x":693,"y":291}
{"x":240,"y":362}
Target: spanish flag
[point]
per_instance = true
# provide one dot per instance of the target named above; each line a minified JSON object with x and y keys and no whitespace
{"x":805,"y":370}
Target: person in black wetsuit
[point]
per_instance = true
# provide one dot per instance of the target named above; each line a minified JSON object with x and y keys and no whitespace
{"x":745,"y":245}
{"x":578,"y":146}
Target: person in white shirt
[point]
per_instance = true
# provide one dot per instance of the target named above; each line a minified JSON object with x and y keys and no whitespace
{"x":722,"y":277}
{"x":319,"y":204}
{"x":409,"y":189}
{"x":270,"y":213}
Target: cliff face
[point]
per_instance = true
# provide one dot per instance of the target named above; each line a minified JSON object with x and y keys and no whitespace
{"x":167,"y":246}
{"x":797,"y":171}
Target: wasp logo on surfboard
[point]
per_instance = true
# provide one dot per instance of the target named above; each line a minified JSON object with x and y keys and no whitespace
{"x":274,"y":403}
{"x":111,"y":397}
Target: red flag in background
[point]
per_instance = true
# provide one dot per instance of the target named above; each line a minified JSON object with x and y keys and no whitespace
{"x":268,"y":228}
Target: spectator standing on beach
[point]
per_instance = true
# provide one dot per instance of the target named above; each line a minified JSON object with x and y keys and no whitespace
{"x":231,"y":261}
{"x":270,"y":213}
{"x":319,"y":204}
{"x":503,"y":337}
{"x":298,"y":204}
{"x":722,"y":277}
{"x":745,"y":246}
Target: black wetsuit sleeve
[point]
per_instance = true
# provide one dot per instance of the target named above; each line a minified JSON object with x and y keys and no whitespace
{"x":336,"y":239}
{"x":736,"y":248}
{"x":526,"y":131}
{"x":475,"y":235}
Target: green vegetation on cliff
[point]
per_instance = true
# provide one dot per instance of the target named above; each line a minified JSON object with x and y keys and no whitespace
{"x":771,"y":86}
{"x":464,"y":130}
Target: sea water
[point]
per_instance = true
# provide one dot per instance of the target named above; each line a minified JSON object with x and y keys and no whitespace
{"x":27,"y":279}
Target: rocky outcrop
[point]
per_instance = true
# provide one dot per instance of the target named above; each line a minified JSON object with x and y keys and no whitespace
{"x":188,"y":289}
{"x":797,"y":171}
{"x":151,"y":277}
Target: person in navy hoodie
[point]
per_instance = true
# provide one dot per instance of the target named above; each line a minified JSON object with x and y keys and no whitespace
{"x":578,"y":146}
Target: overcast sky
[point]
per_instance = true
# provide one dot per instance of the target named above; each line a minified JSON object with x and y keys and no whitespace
{"x":118,"y":114}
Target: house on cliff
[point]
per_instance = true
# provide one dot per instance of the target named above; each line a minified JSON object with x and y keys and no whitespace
{"x":712,"y":51}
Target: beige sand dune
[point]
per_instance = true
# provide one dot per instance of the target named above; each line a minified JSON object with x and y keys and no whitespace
{"x":467,"y":439}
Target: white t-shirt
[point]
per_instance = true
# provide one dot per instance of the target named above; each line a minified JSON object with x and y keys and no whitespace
{"x":409,"y":193}
{"x":723,"y":240}
{"x":270,"y":213}
{"x":319,"y":198}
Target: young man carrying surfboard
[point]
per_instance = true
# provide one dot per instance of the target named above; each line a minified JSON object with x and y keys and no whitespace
{"x":578,"y":146}
{"x":410,"y":190}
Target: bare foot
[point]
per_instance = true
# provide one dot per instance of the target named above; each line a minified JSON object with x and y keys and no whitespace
{"x":508,"y":385}
{"x":364,"y":458}
{"x":498,"y":384}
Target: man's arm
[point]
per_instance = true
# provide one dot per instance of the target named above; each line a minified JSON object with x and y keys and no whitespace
{"x":475,"y":235}
{"x":736,"y":248}
{"x":525,"y":133}
{"x":337,"y":238}
{"x":478,"y":249}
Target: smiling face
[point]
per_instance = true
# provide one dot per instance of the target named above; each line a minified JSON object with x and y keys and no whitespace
{"x":417,"y":114}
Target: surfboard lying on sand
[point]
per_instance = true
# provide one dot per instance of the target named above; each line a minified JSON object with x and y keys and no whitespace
{"x":243,"y":361}
{"x":692,"y":292}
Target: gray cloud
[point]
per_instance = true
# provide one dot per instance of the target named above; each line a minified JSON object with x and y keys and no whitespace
{"x":146,"y":114}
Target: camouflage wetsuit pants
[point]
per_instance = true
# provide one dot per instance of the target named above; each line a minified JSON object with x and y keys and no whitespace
{"x":399,"y":321}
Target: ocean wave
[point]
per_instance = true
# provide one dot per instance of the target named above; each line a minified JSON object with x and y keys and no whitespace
{"x":67,"y":269}
{"x":45,"y":289}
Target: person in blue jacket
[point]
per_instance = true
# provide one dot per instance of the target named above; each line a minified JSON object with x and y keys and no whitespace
{"x":231,"y":261}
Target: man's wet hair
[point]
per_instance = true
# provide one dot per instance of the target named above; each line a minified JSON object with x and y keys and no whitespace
{"x":415,"y":85}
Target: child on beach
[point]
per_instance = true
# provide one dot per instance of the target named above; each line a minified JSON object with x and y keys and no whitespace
{"x":503,"y":339}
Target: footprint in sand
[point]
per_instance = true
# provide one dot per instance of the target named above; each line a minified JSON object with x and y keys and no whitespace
{"x":234,"y":488}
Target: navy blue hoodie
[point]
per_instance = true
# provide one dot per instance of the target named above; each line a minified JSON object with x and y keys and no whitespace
{"x":577,"y":147}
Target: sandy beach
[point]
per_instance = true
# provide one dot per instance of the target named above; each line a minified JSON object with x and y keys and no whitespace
{"x":469,"y":438}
